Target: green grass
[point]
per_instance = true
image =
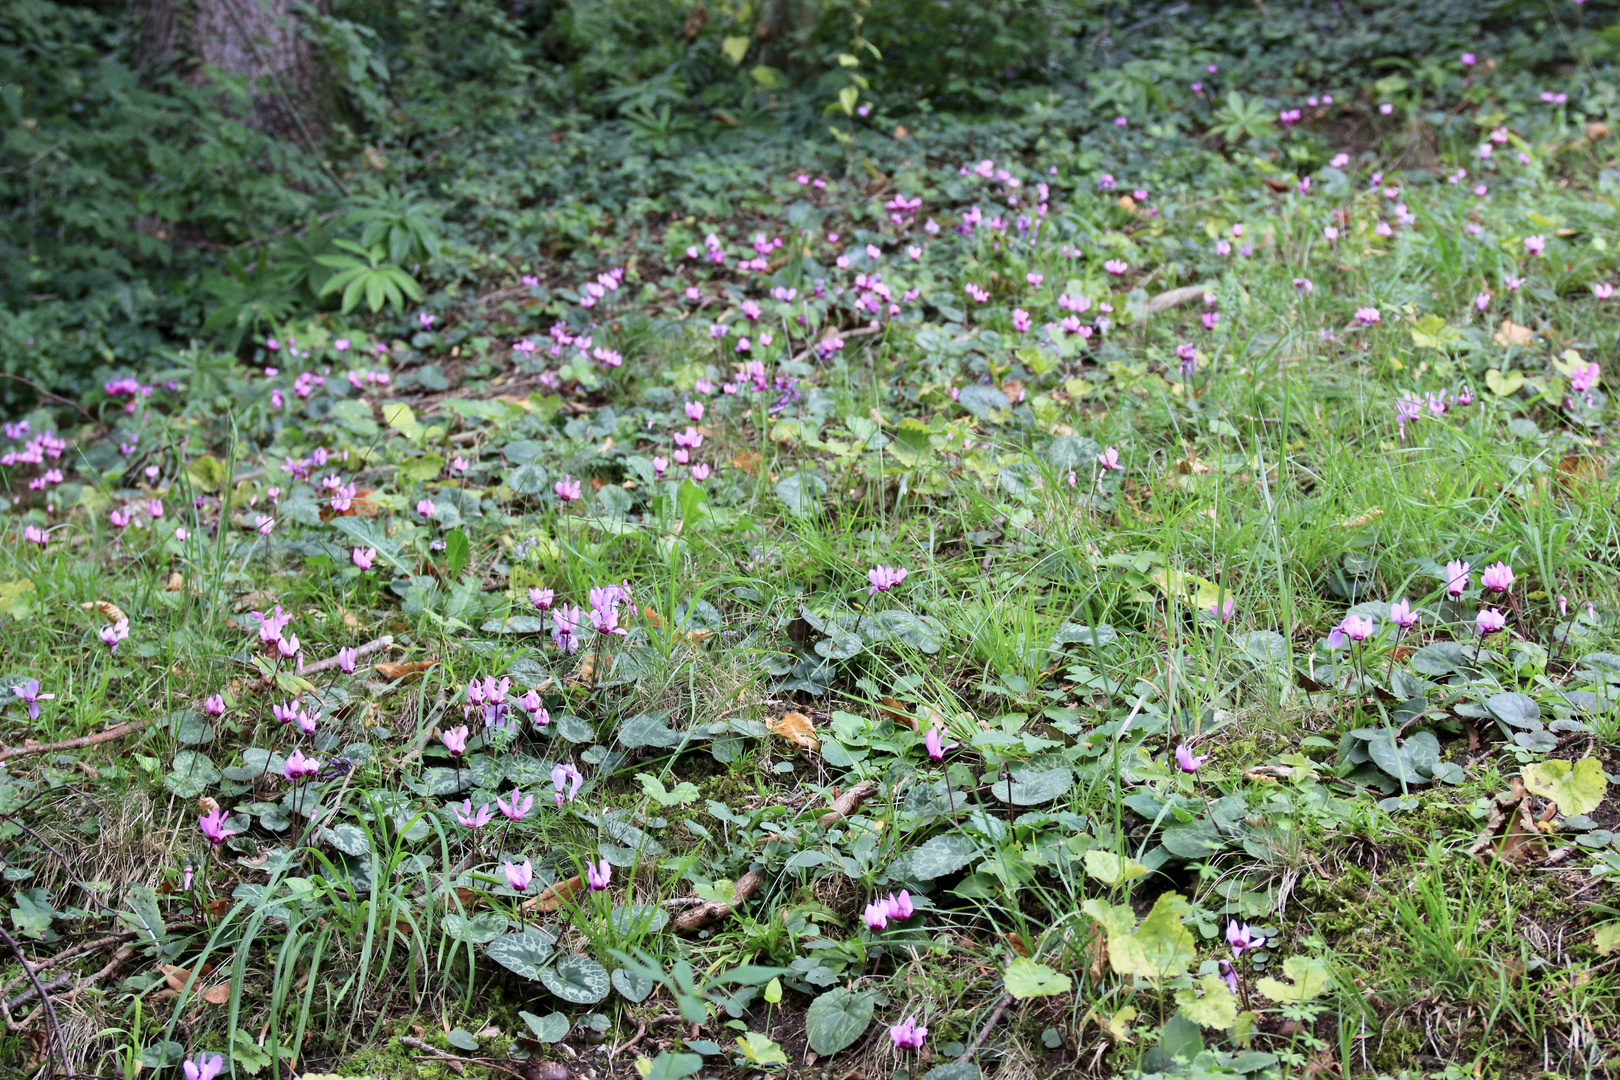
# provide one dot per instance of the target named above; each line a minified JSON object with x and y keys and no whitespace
{"x":1056,"y":632}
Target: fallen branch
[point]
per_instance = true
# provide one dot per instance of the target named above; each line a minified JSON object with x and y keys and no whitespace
{"x":984,"y":1032}
{"x":641,"y":1033}
{"x":45,"y":1002}
{"x":360,"y":650}
{"x":713,"y":911}
{"x":859,"y":331}
{"x":31,"y":747}
{"x":847,"y":803}
{"x":455,"y":1061}
{"x":1174,"y":297}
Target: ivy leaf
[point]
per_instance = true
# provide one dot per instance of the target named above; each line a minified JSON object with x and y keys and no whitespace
{"x":1310,"y":977}
{"x":523,"y":953}
{"x":1577,"y":789}
{"x":578,"y":979}
{"x":836,"y":1019}
{"x":942,"y":855}
{"x":1217,"y":1007}
{"x":546,"y":1029}
{"x":1024,"y":978}
{"x":1112,"y":869}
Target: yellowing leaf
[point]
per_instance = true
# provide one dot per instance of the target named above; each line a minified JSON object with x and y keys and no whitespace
{"x":1160,"y":948}
{"x":759,"y":1049}
{"x":1112,"y":869}
{"x":1024,"y":979}
{"x":735,"y":48}
{"x":1606,"y":939}
{"x":1513,"y":334}
{"x":1119,"y":1025}
{"x":16,"y":597}
{"x":1190,"y":589}
{"x":1577,"y":789}
{"x":1503,"y":385}
{"x":1217,"y":1007}
{"x":1431,"y":332}
{"x":1310,"y":977}
{"x":847,"y":98}
{"x":796,"y":728}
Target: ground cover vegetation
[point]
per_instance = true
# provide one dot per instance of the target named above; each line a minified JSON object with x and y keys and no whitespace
{"x":816,"y":540}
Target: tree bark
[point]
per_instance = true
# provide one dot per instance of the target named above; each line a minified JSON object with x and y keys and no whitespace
{"x":259,"y":41}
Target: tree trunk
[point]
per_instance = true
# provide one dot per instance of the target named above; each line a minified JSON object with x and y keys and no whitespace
{"x":258,"y":41}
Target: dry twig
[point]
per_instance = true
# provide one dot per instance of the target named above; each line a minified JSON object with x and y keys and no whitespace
{"x":360,"y":650}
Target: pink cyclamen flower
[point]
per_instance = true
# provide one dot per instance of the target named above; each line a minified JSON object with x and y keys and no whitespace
{"x":1583,"y":379}
{"x":346,"y":656}
{"x":876,"y":915}
{"x":908,"y":1035}
{"x":455,"y":740}
{"x":1497,"y":577}
{"x":425,"y":507}
{"x":298,"y":766}
{"x":1402,"y":615}
{"x":518,"y":876}
{"x":1109,"y":460}
{"x":1603,"y":290}
{"x":1241,"y":936}
{"x":30,"y":695}
{"x":1482,"y":300}
{"x":884,"y":578}
{"x":899,"y":905}
{"x":363,"y":557}
{"x":1535,"y":245}
{"x":1224,"y":610}
{"x":1489,"y":621}
{"x":474,"y":819}
{"x":565,"y":623}
{"x":204,"y":1068}
{"x":35,"y":535}
{"x":566,"y":781}
{"x":541,"y":598}
{"x":567,"y":489}
{"x":934,"y":742}
{"x":1358,"y":628}
{"x":425,"y":319}
{"x":1368,"y":316}
{"x":1116,"y":266}
{"x":518,"y":808}
{"x":700,"y":471}
{"x":214,"y":705}
{"x":1187,"y":761}
{"x":112,"y":635}
{"x":597,"y":875}
{"x":1457,"y":577}
{"x":1330,"y":233}
{"x":213,"y":827}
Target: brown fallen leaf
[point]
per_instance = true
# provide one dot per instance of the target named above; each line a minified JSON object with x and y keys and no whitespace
{"x":748,"y":461}
{"x":109,"y":611}
{"x":1017,"y":942}
{"x":1511,"y":833}
{"x":1513,"y":334}
{"x":1577,"y":471}
{"x":895,"y":711}
{"x":177,"y":977}
{"x":406,"y":670}
{"x":584,"y":673}
{"x":796,"y":728}
{"x":555,"y":896}
{"x":218,"y":906}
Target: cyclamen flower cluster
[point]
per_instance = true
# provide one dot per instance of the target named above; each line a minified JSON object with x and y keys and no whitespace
{"x":893,"y":907}
{"x":127,"y":387}
{"x":489,"y":699}
{"x":35,"y":450}
{"x":272,"y":632}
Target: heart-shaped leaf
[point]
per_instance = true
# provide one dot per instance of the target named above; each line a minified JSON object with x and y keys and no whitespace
{"x":523,"y":953}
{"x":547,"y":1029}
{"x":630,"y":985}
{"x":1024,"y":978}
{"x":836,"y":1019}
{"x":1577,"y":789}
{"x":578,"y":979}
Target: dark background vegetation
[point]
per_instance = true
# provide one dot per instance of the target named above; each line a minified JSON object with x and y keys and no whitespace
{"x":172,"y":171}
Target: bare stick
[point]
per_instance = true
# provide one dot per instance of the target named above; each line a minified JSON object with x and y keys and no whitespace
{"x":641,"y":1033}
{"x":460,"y":1062}
{"x":713,"y":911}
{"x":118,"y":732}
{"x":45,"y":1000}
{"x":360,"y":650}
{"x":984,"y":1032}
{"x":847,"y":803}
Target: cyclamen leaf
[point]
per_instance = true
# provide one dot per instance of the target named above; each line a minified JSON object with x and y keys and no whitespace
{"x":836,"y":1019}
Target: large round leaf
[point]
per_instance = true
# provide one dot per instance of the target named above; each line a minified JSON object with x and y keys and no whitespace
{"x":942,"y":855}
{"x":578,"y":979}
{"x":1034,"y":788}
{"x":634,"y":987}
{"x":836,"y":1019}
{"x":525,"y":952}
